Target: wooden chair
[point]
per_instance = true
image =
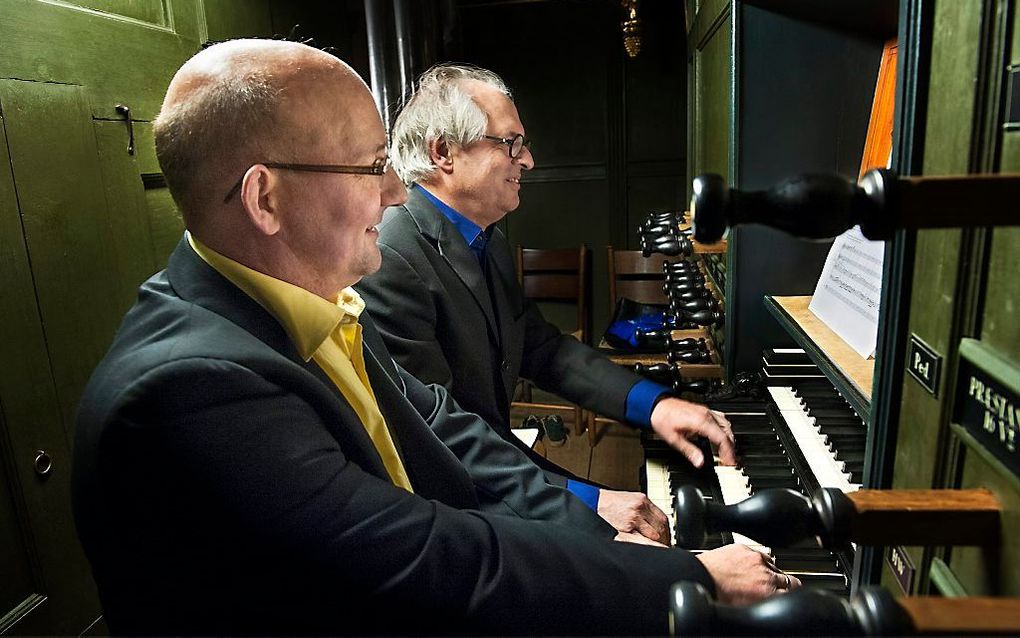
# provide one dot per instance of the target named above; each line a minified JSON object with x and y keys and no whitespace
{"x":555,"y":275}
{"x":636,"y":277}
{"x":639,"y":278}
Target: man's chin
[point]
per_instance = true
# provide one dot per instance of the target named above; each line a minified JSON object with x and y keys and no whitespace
{"x":373,"y":263}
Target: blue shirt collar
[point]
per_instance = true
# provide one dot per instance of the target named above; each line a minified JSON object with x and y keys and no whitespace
{"x":467,"y":228}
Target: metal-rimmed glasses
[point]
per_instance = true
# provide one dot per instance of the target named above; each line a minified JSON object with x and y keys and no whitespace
{"x":379,"y":167}
{"x":515,"y":145}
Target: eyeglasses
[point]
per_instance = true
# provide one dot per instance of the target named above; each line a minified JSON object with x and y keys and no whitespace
{"x":515,"y":145}
{"x":379,"y":167}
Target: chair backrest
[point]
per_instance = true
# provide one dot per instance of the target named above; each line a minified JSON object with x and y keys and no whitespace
{"x":556,"y":274}
{"x":636,"y":277}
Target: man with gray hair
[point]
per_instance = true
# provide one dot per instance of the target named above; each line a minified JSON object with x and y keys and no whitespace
{"x":448,"y":303}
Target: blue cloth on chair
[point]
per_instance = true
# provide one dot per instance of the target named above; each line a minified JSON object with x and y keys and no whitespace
{"x":631,"y":317}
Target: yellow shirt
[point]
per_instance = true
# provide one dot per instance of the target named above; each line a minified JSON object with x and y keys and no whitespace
{"x":325,"y":331}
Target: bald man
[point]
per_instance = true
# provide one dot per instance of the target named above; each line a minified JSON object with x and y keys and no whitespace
{"x":248,"y":457}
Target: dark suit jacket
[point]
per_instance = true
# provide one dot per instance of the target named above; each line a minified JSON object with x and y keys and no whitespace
{"x":433,"y":306}
{"x":222,"y":485}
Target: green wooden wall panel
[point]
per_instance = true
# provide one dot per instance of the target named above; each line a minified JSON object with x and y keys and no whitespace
{"x":1014,"y":55}
{"x":712,"y":88}
{"x":66,"y":226}
{"x":1001,"y":325}
{"x":31,"y":421}
{"x":25,"y":391}
{"x":991,"y":572}
{"x":128,"y":218}
{"x":153,"y":12}
{"x":954,"y":68}
{"x":1010,"y":156}
{"x":17,"y":584}
{"x":165,"y":223}
{"x":1001,"y":321}
{"x":934,"y":299}
{"x":120,"y":60}
{"x":933,"y":305}
{"x":983,"y":571}
{"x":228,"y":19}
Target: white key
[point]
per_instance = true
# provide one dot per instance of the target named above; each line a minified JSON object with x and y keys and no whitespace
{"x":733,"y":483}
{"x":819,"y":457}
{"x":657,"y":475}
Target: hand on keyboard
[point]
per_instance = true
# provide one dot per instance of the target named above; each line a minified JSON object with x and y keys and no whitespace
{"x":744,"y":576}
{"x":676,"y":421}
{"x":633,"y":512}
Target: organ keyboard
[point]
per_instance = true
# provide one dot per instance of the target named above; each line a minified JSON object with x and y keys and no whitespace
{"x":803,"y":436}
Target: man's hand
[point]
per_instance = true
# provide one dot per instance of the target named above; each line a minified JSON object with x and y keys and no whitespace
{"x":677,"y":421}
{"x":633,"y":512}
{"x":744,"y":576}
{"x":637,"y":539}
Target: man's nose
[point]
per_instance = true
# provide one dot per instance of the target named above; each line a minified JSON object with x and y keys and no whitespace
{"x":393,"y":191}
{"x":526,"y":159}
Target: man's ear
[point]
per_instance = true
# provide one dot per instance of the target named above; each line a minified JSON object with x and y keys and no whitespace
{"x":441,"y":153}
{"x":260,"y":197}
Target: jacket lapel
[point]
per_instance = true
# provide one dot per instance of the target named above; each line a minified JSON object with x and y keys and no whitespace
{"x":451,"y":246}
{"x":433,"y":469}
{"x":199,"y":283}
{"x":504,"y":281}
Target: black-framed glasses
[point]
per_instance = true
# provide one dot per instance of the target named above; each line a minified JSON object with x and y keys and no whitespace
{"x":515,"y":144}
{"x":379,"y":167}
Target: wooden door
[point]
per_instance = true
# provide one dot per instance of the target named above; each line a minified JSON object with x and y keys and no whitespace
{"x":82,"y":222}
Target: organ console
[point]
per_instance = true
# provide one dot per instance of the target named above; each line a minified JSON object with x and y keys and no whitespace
{"x":796,"y":494}
{"x":770,"y":458}
{"x":874,"y":452}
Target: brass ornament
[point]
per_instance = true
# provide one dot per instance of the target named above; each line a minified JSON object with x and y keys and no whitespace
{"x":631,"y":27}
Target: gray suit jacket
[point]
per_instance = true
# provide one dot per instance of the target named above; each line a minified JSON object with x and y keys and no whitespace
{"x":450,"y":321}
{"x":223,"y":485}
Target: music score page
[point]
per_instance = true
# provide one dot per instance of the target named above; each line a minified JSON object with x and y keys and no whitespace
{"x":849,"y":290}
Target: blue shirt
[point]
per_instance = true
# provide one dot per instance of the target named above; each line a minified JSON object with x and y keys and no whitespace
{"x":640,"y":399}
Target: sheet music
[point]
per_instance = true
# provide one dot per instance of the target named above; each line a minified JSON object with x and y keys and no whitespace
{"x":849,"y":290}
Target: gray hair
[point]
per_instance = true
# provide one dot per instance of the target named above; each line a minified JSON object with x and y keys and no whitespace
{"x":439,"y":109}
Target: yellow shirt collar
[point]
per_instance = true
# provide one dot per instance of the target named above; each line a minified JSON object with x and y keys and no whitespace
{"x":308,"y":318}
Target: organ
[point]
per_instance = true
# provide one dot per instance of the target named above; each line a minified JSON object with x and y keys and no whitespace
{"x":933,"y":411}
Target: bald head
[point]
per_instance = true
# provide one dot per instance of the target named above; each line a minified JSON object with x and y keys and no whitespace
{"x":238,"y":103}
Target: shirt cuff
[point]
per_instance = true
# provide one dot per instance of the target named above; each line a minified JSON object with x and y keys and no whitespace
{"x":641,"y":400}
{"x":589,"y":494}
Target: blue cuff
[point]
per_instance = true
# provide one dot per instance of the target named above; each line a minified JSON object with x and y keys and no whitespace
{"x":641,"y":400}
{"x":587,"y":493}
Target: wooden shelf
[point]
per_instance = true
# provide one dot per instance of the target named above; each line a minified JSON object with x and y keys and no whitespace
{"x":851,"y":374}
{"x":711,"y":370}
{"x":717,"y":294}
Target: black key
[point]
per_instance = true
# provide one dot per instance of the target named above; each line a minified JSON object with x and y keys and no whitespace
{"x":839,"y":440}
{"x":757,"y":472}
{"x":850,"y":456}
{"x":826,"y":428}
{"x":823,"y":413}
{"x":791,"y":483}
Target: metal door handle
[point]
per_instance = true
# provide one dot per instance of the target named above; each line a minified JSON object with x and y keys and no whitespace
{"x":125,"y":110}
{"x":43,"y":463}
